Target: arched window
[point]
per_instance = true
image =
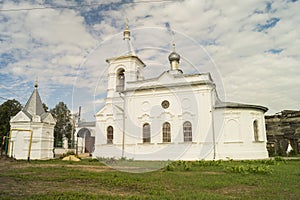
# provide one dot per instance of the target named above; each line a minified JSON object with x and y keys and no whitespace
{"x":166,"y":132}
{"x":187,"y":131}
{"x":120,"y":80}
{"x":146,"y":133}
{"x":110,"y":135}
{"x":255,"y":129}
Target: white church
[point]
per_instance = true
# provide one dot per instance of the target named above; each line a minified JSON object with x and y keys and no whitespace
{"x":175,"y":116}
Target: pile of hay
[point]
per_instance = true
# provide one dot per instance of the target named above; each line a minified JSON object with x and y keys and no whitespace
{"x":71,"y":158}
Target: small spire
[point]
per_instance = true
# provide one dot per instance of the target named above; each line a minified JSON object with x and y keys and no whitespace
{"x":126,"y":32}
{"x":36,"y":84}
{"x":174,"y":57}
{"x":173,"y":40}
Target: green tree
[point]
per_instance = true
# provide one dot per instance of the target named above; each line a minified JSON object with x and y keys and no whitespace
{"x":63,"y":127}
{"x":7,"y":110}
{"x":45,"y":107}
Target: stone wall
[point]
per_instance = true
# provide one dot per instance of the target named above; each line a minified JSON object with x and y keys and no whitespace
{"x":283,"y":129}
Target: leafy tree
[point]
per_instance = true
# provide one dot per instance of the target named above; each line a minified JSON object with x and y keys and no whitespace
{"x":63,"y":125}
{"x":45,"y":107}
{"x":7,"y":110}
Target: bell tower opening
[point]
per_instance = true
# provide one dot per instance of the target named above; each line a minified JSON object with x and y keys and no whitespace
{"x":120,"y":80}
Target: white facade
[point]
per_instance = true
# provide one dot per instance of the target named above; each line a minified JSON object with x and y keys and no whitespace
{"x":32,"y":131}
{"x":174,"y":116}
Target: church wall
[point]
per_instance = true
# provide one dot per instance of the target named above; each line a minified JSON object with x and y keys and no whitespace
{"x":102,"y":126}
{"x":47,"y":141}
{"x":159,"y":151}
{"x":234,"y":131}
{"x":186,"y":104}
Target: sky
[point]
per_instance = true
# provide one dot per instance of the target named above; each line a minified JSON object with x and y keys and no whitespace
{"x":250,"y":47}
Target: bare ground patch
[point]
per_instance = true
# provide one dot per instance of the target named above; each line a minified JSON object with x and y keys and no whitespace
{"x":238,"y":189}
{"x":212,"y":173}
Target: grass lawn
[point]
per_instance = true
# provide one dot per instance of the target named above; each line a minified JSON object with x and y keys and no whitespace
{"x":90,"y":179}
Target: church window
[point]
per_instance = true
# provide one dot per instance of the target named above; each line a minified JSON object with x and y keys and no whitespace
{"x":120,"y":80}
{"x":166,"y":132}
{"x":255,"y":129}
{"x":146,"y":133}
{"x":165,"y":104}
{"x":110,"y":135}
{"x":187,"y":131}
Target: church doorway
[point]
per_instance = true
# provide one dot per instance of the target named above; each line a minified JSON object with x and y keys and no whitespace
{"x":87,"y":141}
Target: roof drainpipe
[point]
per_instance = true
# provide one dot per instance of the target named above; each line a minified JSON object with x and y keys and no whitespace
{"x":123,"y":133}
{"x":213,"y":125}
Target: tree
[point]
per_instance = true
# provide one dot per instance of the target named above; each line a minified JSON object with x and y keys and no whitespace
{"x":63,"y":127}
{"x":7,"y":110}
{"x":45,"y":107}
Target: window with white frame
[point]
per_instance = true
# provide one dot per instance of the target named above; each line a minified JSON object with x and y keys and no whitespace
{"x":166,"y":129}
{"x":187,"y":131}
{"x":146,"y":133}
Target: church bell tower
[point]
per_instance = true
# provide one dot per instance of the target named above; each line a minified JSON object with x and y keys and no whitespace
{"x":124,"y":68}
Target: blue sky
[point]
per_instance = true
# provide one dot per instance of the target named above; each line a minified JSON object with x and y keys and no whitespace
{"x":251,"y":47}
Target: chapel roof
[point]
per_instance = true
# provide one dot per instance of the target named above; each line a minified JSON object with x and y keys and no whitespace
{"x":34,"y":105}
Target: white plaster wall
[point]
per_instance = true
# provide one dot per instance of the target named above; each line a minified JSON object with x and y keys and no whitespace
{"x":42,"y":140}
{"x":245,"y":147}
{"x":186,"y":104}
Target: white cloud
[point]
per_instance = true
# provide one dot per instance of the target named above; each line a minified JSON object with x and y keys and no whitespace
{"x":59,"y":47}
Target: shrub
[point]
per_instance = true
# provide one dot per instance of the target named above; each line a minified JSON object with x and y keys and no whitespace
{"x":208,"y":163}
{"x":279,"y":159}
{"x":169,"y":167}
{"x":254,"y":169}
{"x":292,"y":153}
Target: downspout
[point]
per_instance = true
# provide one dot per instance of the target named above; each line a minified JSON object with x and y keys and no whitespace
{"x":123,"y":136}
{"x":30,"y":143}
{"x":213,"y":125}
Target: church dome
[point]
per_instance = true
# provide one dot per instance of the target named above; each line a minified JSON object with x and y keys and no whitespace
{"x":174,"y":56}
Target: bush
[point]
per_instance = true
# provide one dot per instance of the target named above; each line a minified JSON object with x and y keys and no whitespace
{"x":279,"y":159}
{"x":169,"y":167}
{"x":271,"y":151}
{"x":292,"y":153}
{"x":253,"y":169}
{"x":208,"y":163}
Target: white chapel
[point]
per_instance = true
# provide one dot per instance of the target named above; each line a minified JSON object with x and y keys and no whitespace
{"x":32,"y":131}
{"x":175,"y":116}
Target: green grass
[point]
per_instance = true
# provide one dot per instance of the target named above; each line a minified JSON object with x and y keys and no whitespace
{"x":90,"y":179}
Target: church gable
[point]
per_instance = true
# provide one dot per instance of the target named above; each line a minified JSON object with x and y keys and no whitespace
{"x":20,"y":117}
{"x":109,"y":110}
{"x":166,"y":78}
{"x":48,"y":118}
{"x":105,"y":110}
